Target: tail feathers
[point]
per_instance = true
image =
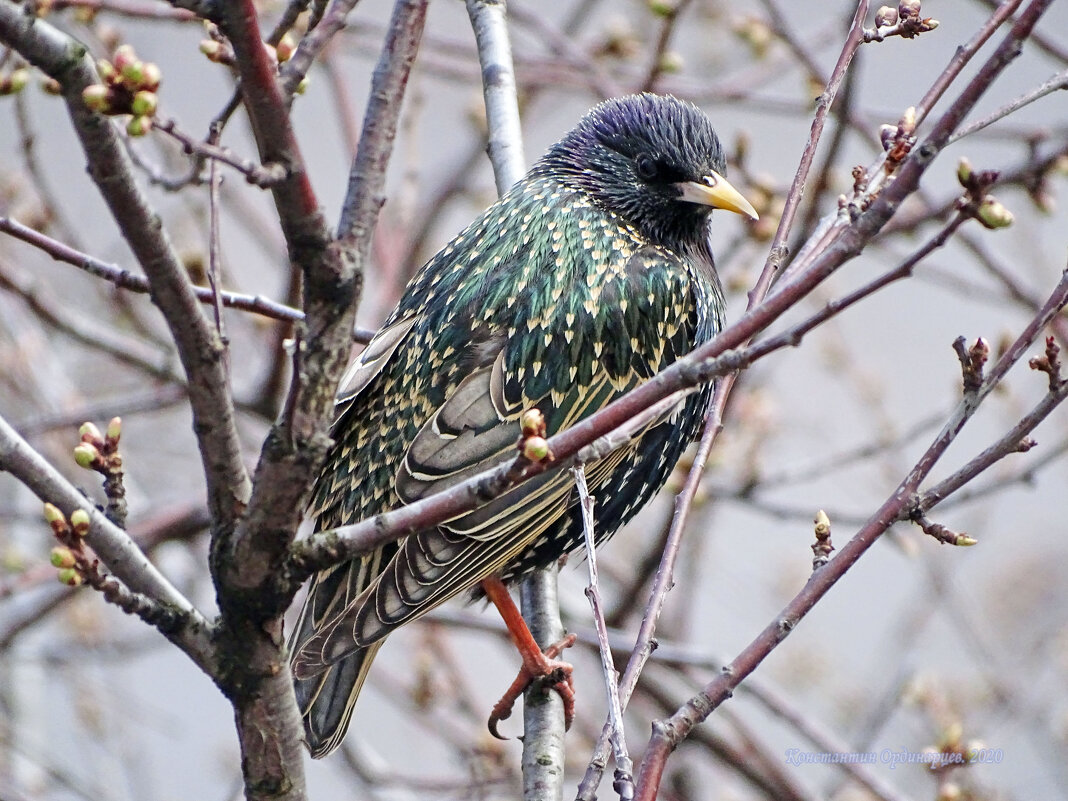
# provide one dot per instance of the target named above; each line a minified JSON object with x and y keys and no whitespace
{"x":326,"y":699}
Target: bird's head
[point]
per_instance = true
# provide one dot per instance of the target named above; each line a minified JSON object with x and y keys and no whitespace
{"x":653,"y":160}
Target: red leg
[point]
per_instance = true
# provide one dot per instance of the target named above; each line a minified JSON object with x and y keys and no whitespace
{"x":537,"y":664}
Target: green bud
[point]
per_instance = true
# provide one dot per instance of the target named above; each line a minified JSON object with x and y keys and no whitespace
{"x":532,"y":423}
{"x":143,"y":104}
{"x":963,"y":540}
{"x":133,"y":74}
{"x":114,"y":429}
{"x":89,"y":432}
{"x":53,"y":515}
{"x":86,"y":455}
{"x":285,"y":47}
{"x":535,"y":448}
{"x":139,"y":126}
{"x":123,"y":57}
{"x":15,"y":81}
{"x":62,"y":557}
{"x":822,"y":524}
{"x":993,"y":215}
{"x":302,"y":87}
{"x":964,"y":171}
{"x":106,"y":70}
{"x":212,"y":49}
{"x":80,"y":522}
{"x":907,"y":125}
{"x":69,"y":576}
{"x":671,"y":62}
{"x":756,"y":33}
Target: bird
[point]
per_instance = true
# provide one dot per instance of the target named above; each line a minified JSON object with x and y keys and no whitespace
{"x":586,"y":278}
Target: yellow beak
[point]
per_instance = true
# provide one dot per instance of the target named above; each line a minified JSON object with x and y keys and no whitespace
{"x":714,"y":190}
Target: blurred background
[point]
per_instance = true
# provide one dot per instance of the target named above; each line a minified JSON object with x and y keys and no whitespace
{"x":920,"y":646}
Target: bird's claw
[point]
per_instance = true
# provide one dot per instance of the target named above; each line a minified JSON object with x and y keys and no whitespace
{"x":546,"y":671}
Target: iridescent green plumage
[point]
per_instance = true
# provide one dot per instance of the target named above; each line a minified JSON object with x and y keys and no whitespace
{"x":588,"y":277}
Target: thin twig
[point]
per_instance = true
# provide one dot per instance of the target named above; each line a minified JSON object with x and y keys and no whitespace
{"x":657,"y":57}
{"x":88,"y":330}
{"x":1053,"y":84}
{"x":124,"y":279}
{"x":215,"y":250}
{"x":624,"y":779}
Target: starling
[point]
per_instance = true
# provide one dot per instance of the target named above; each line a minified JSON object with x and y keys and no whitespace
{"x":586,"y":278}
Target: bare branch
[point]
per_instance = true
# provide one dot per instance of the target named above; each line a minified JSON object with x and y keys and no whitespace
{"x":624,"y":780}
{"x":124,"y":279}
{"x":1055,"y":83}
{"x":498,"y":87}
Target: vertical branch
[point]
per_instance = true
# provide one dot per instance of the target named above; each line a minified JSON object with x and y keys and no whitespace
{"x":498,"y":87}
{"x":543,"y":713}
{"x":368,"y":175}
{"x":543,"y":722}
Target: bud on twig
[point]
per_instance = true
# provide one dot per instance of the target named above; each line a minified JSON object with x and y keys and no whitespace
{"x":62,"y":557}
{"x":532,"y":423}
{"x":909,"y":8}
{"x":14,"y":82}
{"x":972,"y":361}
{"x":992,"y":214}
{"x":80,"y":522}
{"x":536,"y":449}
{"x":90,"y":433}
{"x":885,"y":16}
{"x":123,"y":57}
{"x":97,"y":97}
{"x":152,"y":77}
{"x":53,"y":515}
{"x":144,"y":104}
{"x":114,"y":432}
{"x":964,"y":172}
{"x":139,"y":126}
{"x":1049,"y":363}
{"x":942,"y":534}
{"x":822,"y":547}
{"x":285,"y":48}
{"x":86,"y":455}
{"x":907,"y":125}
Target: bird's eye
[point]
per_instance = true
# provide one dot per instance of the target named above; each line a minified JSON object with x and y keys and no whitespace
{"x":646,"y":167}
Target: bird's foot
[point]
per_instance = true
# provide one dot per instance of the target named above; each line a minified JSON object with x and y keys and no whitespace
{"x":542,"y":669}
